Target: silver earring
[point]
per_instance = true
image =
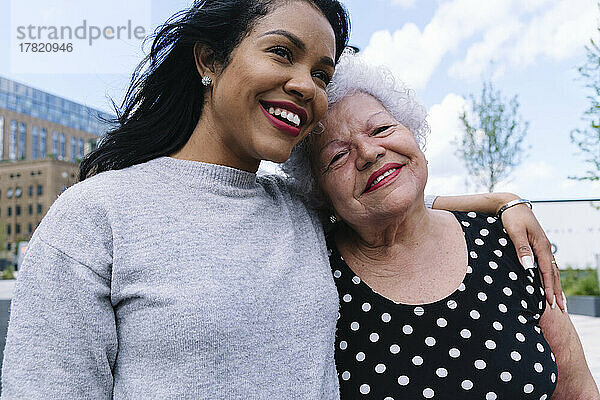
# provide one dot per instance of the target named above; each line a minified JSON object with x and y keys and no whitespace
{"x":206,"y":81}
{"x":333,"y":219}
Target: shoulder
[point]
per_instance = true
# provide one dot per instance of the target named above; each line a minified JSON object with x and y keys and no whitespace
{"x":79,"y":222}
{"x":276,"y":184}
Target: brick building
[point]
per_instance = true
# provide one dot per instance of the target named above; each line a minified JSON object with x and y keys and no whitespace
{"x":42,"y":139}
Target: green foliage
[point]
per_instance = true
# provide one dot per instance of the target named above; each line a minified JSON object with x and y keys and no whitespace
{"x":8,"y":273}
{"x":492,"y":143}
{"x":580,"y":282}
{"x":588,"y":139}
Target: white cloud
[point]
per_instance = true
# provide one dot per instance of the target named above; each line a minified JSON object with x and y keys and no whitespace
{"x":404,"y":3}
{"x":447,"y":173}
{"x":557,"y":30}
{"x":414,"y":55}
{"x":513,"y":33}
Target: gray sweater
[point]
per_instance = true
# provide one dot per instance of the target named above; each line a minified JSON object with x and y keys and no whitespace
{"x":174,"y":279}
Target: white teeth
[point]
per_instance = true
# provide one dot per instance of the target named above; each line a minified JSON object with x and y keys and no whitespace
{"x":382,"y":176}
{"x":285,"y":114}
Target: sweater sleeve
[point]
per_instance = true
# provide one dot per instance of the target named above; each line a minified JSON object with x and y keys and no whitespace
{"x":61,"y":341}
{"x":62,"y":338}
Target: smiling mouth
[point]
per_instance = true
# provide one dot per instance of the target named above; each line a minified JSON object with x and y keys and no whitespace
{"x":382,"y":177}
{"x":286,"y":116}
{"x":283,"y":114}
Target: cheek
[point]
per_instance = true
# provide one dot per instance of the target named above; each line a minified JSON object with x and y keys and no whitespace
{"x":320,"y":105}
{"x":339,"y":191}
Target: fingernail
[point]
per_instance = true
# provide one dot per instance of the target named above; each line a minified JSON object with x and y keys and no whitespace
{"x":527,"y":262}
{"x":553,"y":305}
{"x":565,"y":301}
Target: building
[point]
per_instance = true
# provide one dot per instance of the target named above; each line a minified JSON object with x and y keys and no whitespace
{"x":42,"y":139}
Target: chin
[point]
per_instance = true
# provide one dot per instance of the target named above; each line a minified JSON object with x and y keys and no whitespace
{"x":279,"y":158}
{"x":276,"y":155}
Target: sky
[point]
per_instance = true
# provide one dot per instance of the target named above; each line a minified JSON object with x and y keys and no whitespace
{"x":441,"y":48}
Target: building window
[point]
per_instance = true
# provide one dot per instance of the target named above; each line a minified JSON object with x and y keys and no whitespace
{"x":29,"y":228}
{"x":63,"y":147}
{"x":43,"y":135}
{"x":22,"y":138}
{"x":35,"y":142}
{"x":9,"y":194}
{"x":9,"y":211}
{"x":40,"y":190}
{"x":30,"y":190}
{"x":8,"y":229}
{"x":30,"y":209}
{"x":1,"y":137}
{"x":39,"y":209}
{"x":12,"y":141}
{"x":73,"y":149}
{"x":55,"y":144}
{"x":18,"y":193}
{"x":17,"y":210}
{"x":17,"y":229}
{"x":80,"y":155}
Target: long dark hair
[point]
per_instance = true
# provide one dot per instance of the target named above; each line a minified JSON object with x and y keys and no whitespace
{"x":164,"y":100}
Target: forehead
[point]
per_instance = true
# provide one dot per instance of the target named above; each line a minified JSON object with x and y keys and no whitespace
{"x":302,"y":19}
{"x":353,"y":114}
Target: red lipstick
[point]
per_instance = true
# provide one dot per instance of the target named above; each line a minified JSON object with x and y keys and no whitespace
{"x":282,"y":126}
{"x":384,"y":181}
{"x":287,"y":106}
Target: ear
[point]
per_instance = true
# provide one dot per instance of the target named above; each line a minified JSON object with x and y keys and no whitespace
{"x":204,"y":57}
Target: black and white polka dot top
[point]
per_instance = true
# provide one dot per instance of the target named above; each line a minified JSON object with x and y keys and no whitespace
{"x":481,"y":342}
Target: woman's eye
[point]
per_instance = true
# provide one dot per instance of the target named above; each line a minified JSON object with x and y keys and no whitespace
{"x":282,"y":52}
{"x":336,"y":157}
{"x":381,"y":129}
{"x":323,"y":76}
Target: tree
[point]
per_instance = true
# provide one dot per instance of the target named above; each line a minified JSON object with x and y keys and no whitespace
{"x":588,"y":139}
{"x":492,"y":143}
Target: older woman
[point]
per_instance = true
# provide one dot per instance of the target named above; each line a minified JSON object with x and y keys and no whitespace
{"x":433,"y":304}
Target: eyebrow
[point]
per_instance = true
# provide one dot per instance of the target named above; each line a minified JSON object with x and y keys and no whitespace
{"x":298,"y":43}
{"x":373,"y":116}
{"x":341,"y":141}
{"x":328,"y":143}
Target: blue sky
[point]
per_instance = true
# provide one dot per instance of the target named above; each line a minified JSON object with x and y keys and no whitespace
{"x":441,"y":48}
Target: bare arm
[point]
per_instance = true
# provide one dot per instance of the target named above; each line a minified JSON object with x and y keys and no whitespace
{"x":487,"y":203}
{"x":523,"y":229}
{"x":575,"y":381}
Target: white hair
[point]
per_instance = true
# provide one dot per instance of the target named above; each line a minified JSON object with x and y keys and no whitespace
{"x":354,"y":75}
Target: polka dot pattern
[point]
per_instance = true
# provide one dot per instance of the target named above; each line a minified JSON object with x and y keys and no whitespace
{"x":484,"y":332}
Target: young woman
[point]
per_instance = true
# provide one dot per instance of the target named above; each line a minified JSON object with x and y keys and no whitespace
{"x":172,"y":270}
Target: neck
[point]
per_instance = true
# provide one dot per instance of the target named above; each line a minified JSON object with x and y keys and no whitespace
{"x":398,"y":238}
{"x":206,"y":144}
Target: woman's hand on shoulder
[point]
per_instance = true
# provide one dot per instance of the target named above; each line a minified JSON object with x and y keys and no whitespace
{"x":523,"y":229}
{"x":531,"y":243}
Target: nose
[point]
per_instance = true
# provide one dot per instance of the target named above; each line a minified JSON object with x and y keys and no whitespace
{"x":301,"y":85}
{"x":367,"y":153}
